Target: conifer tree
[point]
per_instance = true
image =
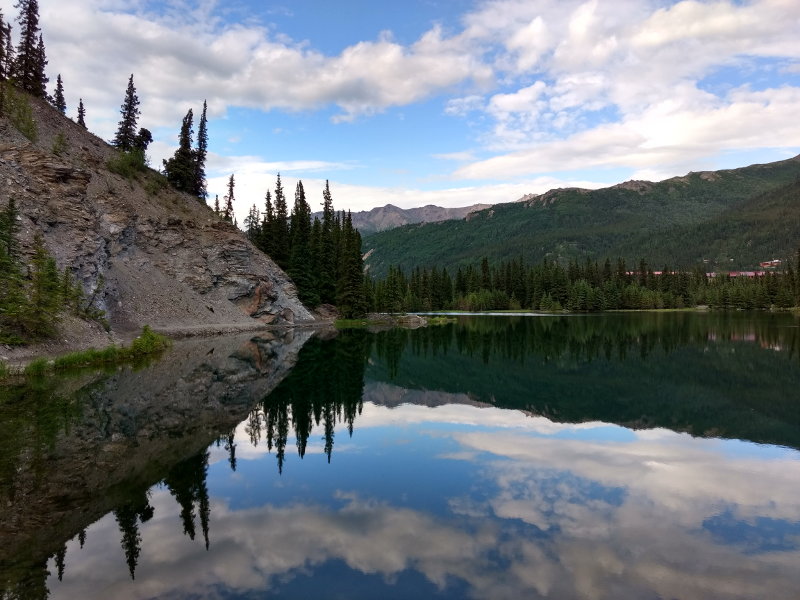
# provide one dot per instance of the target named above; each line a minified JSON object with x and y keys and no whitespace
{"x":199,"y":179}
{"x":81,"y":114}
{"x":327,"y":253}
{"x":58,"y":96}
{"x":180,"y":170}
{"x":45,"y":296}
{"x":142,"y":140}
{"x":9,"y":57}
{"x":30,"y":58}
{"x":5,"y":35}
{"x":216,"y":204}
{"x":41,"y":62}
{"x":280,"y":229}
{"x":252,"y":226}
{"x":126,"y":131}
{"x":266,"y":242}
{"x":300,"y":260}
{"x":228,"y":212}
{"x":350,"y":284}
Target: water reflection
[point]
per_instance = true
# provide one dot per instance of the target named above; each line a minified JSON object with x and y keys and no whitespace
{"x":592,"y":488}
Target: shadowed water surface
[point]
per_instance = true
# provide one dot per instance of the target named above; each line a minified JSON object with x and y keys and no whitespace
{"x":614,"y":456}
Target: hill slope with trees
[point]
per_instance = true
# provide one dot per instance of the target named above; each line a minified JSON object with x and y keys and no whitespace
{"x":732,"y":218}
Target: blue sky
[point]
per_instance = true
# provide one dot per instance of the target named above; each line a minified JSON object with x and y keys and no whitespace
{"x":447,"y":102}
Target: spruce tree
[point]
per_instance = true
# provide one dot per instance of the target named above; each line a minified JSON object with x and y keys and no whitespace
{"x":266,"y":242}
{"x":5,"y":33}
{"x":30,"y":61}
{"x":180,"y":170}
{"x":216,"y":204}
{"x":228,"y":212}
{"x":126,"y":132}
{"x":40,"y":84}
{"x":327,"y":257}
{"x":280,"y":229}
{"x":142,"y":140}
{"x":45,"y":292}
{"x":9,"y":57}
{"x":81,"y":114}
{"x":199,"y":179}
{"x":350,"y":298}
{"x":58,"y":97}
{"x":300,"y":260}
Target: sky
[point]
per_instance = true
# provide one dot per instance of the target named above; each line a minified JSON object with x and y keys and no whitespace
{"x":446,"y":102}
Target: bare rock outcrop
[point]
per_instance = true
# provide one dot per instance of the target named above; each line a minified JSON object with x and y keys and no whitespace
{"x":144,"y":253}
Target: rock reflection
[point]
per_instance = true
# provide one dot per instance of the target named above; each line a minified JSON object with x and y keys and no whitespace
{"x":73,"y":449}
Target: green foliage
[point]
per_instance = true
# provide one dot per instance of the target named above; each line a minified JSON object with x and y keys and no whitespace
{"x":17,"y":108}
{"x":149,"y":342}
{"x":34,"y":296}
{"x":155,"y":184}
{"x":58,"y":97}
{"x":37,"y":368}
{"x":125,"y":137}
{"x":747,"y":215}
{"x":323,"y":258}
{"x":180,"y":169}
{"x":60,"y":144}
{"x":128,"y":164}
{"x":550,"y":287}
{"x":4,"y":370}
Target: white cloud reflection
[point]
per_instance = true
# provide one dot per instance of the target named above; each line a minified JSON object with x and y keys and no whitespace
{"x":554,"y":517}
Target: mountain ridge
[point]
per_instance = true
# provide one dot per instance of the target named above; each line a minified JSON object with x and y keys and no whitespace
{"x":390,"y":216}
{"x":633,"y":220}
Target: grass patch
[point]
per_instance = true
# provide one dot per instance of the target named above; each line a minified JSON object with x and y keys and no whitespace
{"x":149,"y":343}
{"x":37,"y":368}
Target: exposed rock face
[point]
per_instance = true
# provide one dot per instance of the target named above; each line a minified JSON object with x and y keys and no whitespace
{"x":145,"y":253}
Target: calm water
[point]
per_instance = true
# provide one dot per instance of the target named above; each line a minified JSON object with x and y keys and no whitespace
{"x":620,"y":456}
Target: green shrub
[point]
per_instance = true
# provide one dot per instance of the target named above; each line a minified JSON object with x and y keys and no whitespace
{"x":60,"y":144}
{"x":155,"y":184}
{"x":128,"y":164}
{"x":149,"y":342}
{"x":37,"y":368}
{"x":18,"y":110}
{"x":4,"y":370}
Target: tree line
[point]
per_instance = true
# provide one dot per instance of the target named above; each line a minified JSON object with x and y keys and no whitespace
{"x":587,"y":287}
{"x":322,"y":256}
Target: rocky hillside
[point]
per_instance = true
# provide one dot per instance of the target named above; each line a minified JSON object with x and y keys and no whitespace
{"x":390,"y":216}
{"x":144,"y":253}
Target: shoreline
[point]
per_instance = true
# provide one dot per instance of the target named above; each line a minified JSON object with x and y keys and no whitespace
{"x":16,"y":358}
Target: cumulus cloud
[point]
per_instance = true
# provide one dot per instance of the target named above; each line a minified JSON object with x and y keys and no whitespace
{"x":645,"y":66}
{"x":543,"y":87}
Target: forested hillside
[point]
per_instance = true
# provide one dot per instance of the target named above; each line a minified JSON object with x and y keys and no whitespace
{"x":732,"y":219}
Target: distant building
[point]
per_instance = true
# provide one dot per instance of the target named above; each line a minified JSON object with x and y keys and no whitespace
{"x":770,"y":264}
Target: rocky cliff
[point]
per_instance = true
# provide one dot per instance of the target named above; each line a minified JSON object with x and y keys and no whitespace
{"x":145,"y":253}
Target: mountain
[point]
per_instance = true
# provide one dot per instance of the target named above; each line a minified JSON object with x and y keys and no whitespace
{"x":388,"y":217}
{"x":143,"y":252}
{"x":733,"y":218}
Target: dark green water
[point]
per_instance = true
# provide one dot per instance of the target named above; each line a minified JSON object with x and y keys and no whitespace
{"x":615,"y":456}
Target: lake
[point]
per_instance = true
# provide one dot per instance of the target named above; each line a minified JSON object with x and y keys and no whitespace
{"x":652,"y":455}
